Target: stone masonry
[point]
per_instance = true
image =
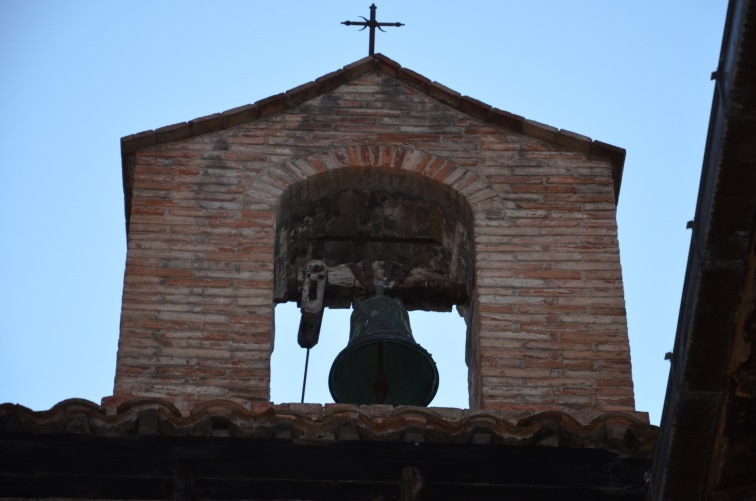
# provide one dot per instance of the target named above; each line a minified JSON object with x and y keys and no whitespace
{"x":524,"y":240}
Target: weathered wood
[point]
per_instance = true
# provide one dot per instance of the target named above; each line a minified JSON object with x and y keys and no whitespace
{"x":163,"y":467}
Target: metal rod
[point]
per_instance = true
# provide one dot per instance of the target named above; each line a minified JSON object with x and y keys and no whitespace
{"x":304,"y":383}
{"x":371,"y":23}
{"x":371,"y":49}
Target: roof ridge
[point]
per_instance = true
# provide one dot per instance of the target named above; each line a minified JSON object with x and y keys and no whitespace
{"x":378,"y":62}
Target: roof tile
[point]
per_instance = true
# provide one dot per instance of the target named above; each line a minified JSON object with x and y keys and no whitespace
{"x":574,"y":141}
{"x":607,"y":150}
{"x":388,"y":66}
{"x":271,"y":105}
{"x":302,"y":93}
{"x":129,"y":144}
{"x":506,"y":119}
{"x":206,"y":124}
{"x":240,"y":115}
{"x":473,"y":107}
{"x":153,"y":416}
{"x":444,"y":94}
{"x":360,"y":67}
{"x":540,"y":131}
{"x":173,"y":132}
{"x":413,"y":78}
{"x":331,"y":80}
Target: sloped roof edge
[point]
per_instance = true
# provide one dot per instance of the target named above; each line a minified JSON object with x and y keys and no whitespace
{"x":154,"y":416}
{"x":708,"y":437}
{"x":286,"y":100}
{"x":146,"y":448}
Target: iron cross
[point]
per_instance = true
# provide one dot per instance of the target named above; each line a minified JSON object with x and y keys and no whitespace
{"x":372,"y":24}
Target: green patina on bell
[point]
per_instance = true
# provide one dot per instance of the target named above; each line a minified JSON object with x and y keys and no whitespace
{"x":382,"y":364}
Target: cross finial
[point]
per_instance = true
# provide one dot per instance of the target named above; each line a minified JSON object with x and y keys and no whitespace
{"x":372,"y":24}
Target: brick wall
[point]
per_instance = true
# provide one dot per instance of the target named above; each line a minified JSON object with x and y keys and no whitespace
{"x":545,"y":309}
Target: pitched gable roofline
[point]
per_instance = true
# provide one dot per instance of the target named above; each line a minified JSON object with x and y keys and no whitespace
{"x":281,"y":102}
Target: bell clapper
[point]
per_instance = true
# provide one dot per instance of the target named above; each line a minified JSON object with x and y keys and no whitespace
{"x":313,"y":292}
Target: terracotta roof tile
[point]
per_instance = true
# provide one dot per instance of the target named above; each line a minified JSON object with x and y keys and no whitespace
{"x":574,"y":141}
{"x":359,"y":68}
{"x":539,"y":130}
{"x":272,"y":105}
{"x":331,"y":81}
{"x":129,"y":144}
{"x":506,"y":119}
{"x":315,"y":422}
{"x":414,"y":79}
{"x":473,"y":107}
{"x":302,"y":93}
{"x":387,"y":65}
{"x":444,"y":94}
{"x":240,"y":115}
{"x":206,"y":124}
{"x":173,"y":132}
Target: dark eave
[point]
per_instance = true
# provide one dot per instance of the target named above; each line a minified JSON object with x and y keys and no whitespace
{"x":284,"y":101}
{"x":708,"y":438}
{"x":147,"y":449}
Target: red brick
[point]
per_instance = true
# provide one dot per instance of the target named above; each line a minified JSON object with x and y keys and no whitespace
{"x":548,"y":327}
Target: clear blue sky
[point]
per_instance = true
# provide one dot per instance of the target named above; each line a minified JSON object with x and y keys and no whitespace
{"x":76,"y":76}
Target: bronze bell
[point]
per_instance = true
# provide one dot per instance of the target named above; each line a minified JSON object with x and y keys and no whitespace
{"x":382,"y":363}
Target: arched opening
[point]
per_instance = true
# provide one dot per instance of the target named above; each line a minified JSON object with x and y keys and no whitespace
{"x":441,"y":333}
{"x":377,"y":231}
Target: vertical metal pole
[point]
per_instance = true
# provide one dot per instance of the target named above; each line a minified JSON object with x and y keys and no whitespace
{"x":304,"y":383}
{"x":372,"y":29}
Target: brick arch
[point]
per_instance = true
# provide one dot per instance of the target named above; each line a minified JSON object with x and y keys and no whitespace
{"x":268,"y":185}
